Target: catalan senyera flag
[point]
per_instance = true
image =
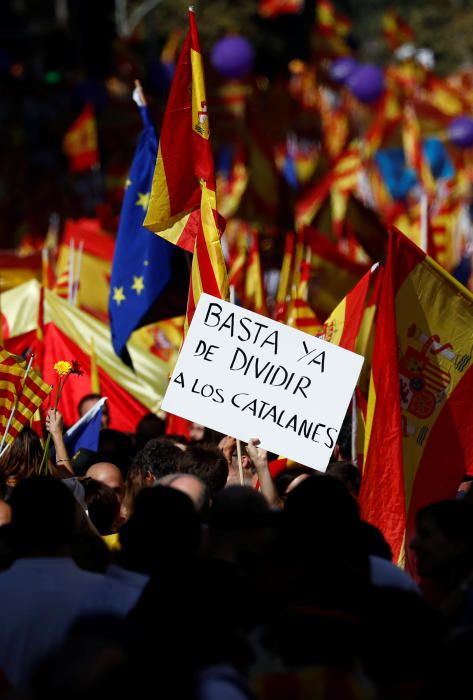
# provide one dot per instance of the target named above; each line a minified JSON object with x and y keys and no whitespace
{"x":80,"y":143}
{"x":284,"y":287}
{"x":300,"y":314}
{"x":255,"y":297}
{"x":415,"y":157}
{"x":208,"y":272}
{"x":334,"y":27}
{"x":396,"y":31}
{"x":419,"y":434}
{"x":184,"y":154}
{"x":20,"y":392}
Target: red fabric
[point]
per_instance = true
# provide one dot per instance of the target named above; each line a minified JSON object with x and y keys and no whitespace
{"x":382,"y":499}
{"x":125,"y":411}
{"x":96,"y":242}
{"x":277,"y":466}
{"x":175,"y":425}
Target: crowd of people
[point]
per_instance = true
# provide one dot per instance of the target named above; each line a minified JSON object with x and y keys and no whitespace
{"x":146,"y":569}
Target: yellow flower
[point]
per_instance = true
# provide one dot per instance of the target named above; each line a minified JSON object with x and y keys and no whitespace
{"x":62,"y":367}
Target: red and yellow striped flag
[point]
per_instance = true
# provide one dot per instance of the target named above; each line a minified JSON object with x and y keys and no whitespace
{"x":396,"y":31}
{"x":334,"y":27}
{"x":419,"y":435}
{"x":255,"y":297}
{"x":415,"y":157}
{"x":274,"y":8}
{"x":20,"y":392}
{"x":300,"y":314}
{"x":183,"y":207}
{"x":284,"y":287}
{"x":184,"y":154}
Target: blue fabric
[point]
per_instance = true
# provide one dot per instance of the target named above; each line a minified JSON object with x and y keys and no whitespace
{"x":440,"y":164}
{"x":397,"y":177}
{"x":85,"y":433}
{"x":142,"y":263}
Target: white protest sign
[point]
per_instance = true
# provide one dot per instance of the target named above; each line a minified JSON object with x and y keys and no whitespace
{"x":246,"y":375}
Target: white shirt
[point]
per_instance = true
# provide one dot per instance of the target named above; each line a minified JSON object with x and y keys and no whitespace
{"x":39,"y":600}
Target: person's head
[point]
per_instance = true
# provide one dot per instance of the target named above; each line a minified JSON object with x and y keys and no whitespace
{"x":348,"y":474}
{"x":22,"y":459}
{"x":149,"y":427}
{"x":43,"y":517}
{"x":374,"y":541}
{"x":208,"y":463}
{"x":5,"y":513}
{"x":103,"y":506}
{"x":192,"y":486}
{"x":249,"y":472}
{"x":86,"y":403}
{"x":158,"y":458}
{"x":116,"y":447}
{"x":288,"y":479}
{"x":241,"y":524}
{"x":201,"y":434}
{"x":196,"y":432}
{"x":108,"y":474}
{"x":443,"y":540}
{"x":164,"y":528}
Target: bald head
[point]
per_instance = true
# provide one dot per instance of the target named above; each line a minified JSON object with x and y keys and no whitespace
{"x":191,"y":485}
{"x":5,"y":513}
{"x":108,"y":474}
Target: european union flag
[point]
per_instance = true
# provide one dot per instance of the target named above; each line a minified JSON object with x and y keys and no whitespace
{"x":149,"y":279}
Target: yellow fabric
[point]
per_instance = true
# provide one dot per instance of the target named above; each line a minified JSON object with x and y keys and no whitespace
{"x":112,"y":542}
{"x":149,"y":381}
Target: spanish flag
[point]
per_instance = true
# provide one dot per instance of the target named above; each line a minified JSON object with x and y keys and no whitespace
{"x":419,"y":433}
{"x":184,"y":153}
{"x":80,"y":143}
{"x":183,"y":207}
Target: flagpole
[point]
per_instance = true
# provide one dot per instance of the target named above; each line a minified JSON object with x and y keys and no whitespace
{"x":424,"y":221}
{"x":238,"y":444}
{"x":70,"y":281}
{"x":354,"y":430}
{"x":4,"y":448}
{"x":77,"y":275}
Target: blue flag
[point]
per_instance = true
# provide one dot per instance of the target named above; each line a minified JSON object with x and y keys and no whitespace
{"x":148,"y":281}
{"x":85,"y":433}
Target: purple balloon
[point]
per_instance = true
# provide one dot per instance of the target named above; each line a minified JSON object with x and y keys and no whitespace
{"x":233,"y":56}
{"x":460,"y":131}
{"x":341,"y":69}
{"x":367,"y":82}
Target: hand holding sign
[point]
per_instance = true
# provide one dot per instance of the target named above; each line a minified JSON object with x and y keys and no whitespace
{"x":243,"y":374}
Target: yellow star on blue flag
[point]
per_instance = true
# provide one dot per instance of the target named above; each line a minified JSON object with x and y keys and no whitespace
{"x":145,"y":266}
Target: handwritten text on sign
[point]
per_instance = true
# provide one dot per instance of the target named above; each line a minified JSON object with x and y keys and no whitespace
{"x":247,"y":376}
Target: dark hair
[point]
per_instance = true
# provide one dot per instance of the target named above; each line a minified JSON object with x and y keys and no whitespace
{"x":87,"y":397}
{"x":116,"y":447}
{"x":453,"y":518}
{"x":159,"y":457}
{"x":210,"y":437}
{"x":149,"y":427}
{"x":374,"y":541}
{"x":102,"y":504}
{"x":206,"y":462}
{"x":23,"y":457}
{"x":287,"y":476}
{"x":174,"y":437}
{"x":43,"y":516}
{"x":163,"y":527}
{"x":348,"y":474}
